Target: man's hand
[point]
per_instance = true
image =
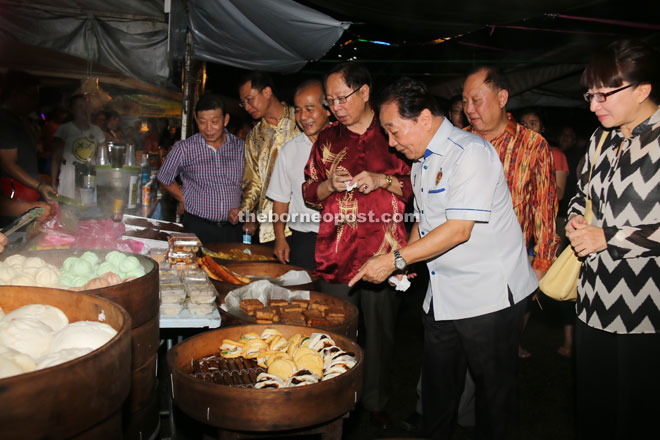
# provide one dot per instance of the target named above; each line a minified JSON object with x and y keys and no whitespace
{"x":587,"y":240}
{"x":233,"y":216}
{"x":45,"y":190}
{"x":282,"y":250}
{"x":180,"y":207}
{"x":376,"y":270}
{"x":3,"y":242}
{"x":367,"y":181}
{"x":539,"y":273}
{"x":49,"y":212}
{"x":338,"y":180}
{"x":250,"y":227}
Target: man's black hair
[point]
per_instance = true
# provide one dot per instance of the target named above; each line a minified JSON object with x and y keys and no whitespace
{"x":258,"y":81}
{"x":209,"y":101}
{"x":494,"y":76}
{"x":355,"y":74}
{"x":411,"y":96}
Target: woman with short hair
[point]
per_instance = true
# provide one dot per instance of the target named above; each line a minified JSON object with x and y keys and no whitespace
{"x":617,"y":341}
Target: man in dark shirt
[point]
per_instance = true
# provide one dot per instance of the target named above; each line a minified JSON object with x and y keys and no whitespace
{"x":18,"y":153}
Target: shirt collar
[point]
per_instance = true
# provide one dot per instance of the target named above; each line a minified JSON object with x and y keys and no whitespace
{"x":206,"y":144}
{"x":647,"y":124}
{"x":288,"y":113}
{"x":438,"y":144}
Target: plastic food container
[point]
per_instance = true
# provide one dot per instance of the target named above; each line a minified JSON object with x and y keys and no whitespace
{"x":170,"y":309}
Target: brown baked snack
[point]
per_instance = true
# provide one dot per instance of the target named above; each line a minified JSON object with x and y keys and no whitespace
{"x":335,"y":314}
{"x":250,"y":305}
{"x":266,"y":313}
{"x":313,"y":314}
{"x":301,"y":302}
{"x":294,"y":318}
{"x":277,"y":302}
{"x":292,"y":308}
{"x":317,"y":305}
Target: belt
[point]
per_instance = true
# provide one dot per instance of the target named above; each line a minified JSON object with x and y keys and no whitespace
{"x":213,"y":222}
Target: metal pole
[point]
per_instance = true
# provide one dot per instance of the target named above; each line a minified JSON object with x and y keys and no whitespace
{"x":186,"y":98}
{"x":194,"y":74}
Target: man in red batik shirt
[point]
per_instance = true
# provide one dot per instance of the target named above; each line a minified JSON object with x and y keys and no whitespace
{"x":526,"y":158}
{"x":361,"y":187}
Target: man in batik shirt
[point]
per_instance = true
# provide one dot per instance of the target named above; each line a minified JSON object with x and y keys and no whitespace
{"x":276,"y":127}
{"x":526,"y":158}
{"x":360,"y":186}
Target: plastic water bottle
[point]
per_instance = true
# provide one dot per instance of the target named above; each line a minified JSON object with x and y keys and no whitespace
{"x":247,"y":238}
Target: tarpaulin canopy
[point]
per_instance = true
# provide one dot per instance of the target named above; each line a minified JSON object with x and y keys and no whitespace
{"x":542,"y":46}
{"x":279,"y":36}
{"x":127,"y":36}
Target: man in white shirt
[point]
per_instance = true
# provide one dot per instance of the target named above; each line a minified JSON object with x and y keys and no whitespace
{"x":285,"y":188}
{"x":74,"y":142}
{"x":480,"y":277}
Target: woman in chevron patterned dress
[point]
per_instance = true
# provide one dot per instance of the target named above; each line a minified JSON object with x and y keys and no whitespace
{"x":617,"y":339}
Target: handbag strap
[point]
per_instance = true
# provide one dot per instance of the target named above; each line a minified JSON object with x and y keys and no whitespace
{"x":600,"y":144}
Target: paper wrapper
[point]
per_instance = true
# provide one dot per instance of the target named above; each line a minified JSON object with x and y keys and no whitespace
{"x":294,"y":278}
{"x":400,"y":284}
{"x":263,"y":290}
{"x":291,"y":278}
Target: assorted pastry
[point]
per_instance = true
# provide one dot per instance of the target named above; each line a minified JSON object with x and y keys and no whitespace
{"x":297,"y":312}
{"x":268,"y":360}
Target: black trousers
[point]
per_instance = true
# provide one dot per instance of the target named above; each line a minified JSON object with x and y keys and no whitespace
{"x":378,"y":304}
{"x":618,"y":384}
{"x":488,"y":346}
{"x":301,"y":249}
{"x":211,"y":232}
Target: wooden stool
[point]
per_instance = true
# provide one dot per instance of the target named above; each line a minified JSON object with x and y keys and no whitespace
{"x":329,"y":431}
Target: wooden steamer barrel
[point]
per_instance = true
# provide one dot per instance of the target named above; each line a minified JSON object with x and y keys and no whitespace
{"x":273,"y":270}
{"x":79,"y":399}
{"x":141,"y":300}
{"x":260,"y":410}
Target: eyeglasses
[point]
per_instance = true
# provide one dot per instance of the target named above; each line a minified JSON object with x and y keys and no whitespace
{"x":245,"y":102}
{"x":328,"y":102}
{"x":602,"y":97}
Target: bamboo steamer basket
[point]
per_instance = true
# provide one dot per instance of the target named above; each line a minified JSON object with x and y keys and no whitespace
{"x":81,"y":398}
{"x":261,"y":410}
{"x":348,"y":327}
{"x":272,"y":270}
{"x":255,"y":249}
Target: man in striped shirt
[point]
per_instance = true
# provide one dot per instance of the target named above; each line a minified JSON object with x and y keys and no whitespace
{"x":210,"y":165}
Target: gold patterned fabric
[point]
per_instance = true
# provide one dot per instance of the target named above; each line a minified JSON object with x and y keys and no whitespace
{"x":262,"y":146}
{"x":355,"y":226}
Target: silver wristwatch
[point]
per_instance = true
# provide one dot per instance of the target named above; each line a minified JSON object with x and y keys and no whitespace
{"x":399,"y":262}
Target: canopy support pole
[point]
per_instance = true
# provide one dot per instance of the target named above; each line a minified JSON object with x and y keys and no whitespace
{"x":194,"y":72}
